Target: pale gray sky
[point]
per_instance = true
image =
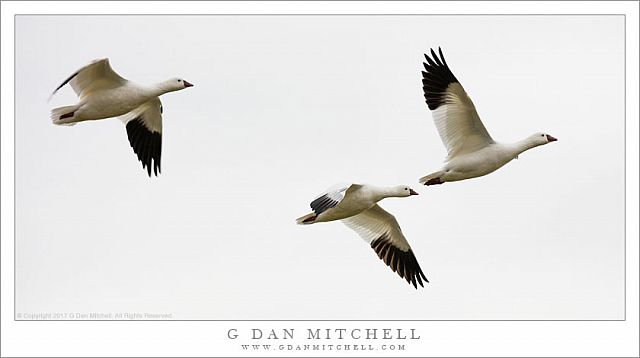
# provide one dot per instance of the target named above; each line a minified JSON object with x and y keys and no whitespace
{"x":285,"y":106}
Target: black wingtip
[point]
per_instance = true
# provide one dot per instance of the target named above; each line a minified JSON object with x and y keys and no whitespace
{"x":442,"y":56}
{"x":435,"y":58}
{"x":436,"y":78}
{"x":147,"y":145}
{"x":423,"y":276}
{"x":403,"y":263}
{"x":322,"y":204}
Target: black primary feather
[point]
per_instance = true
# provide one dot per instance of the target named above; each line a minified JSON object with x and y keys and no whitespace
{"x":404,"y":263}
{"x":436,"y":78}
{"x":146,"y":144}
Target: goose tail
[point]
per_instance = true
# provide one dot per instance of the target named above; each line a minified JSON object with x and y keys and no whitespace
{"x":307,"y":219}
{"x":432,"y":179}
{"x":64,"y":116}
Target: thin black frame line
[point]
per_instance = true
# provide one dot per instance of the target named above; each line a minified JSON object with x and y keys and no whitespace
{"x":624,"y":179}
{"x":319,"y":320}
{"x":329,"y":320}
{"x":378,"y":1}
{"x":329,"y":14}
{"x":365,"y":351}
{"x":15,"y":182}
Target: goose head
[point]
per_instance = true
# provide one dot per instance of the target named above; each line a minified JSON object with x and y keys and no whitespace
{"x":541,"y":139}
{"x":402,"y":191}
{"x":175,"y":84}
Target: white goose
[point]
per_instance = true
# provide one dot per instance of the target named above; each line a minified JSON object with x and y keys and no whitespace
{"x":356,"y":206}
{"x":104,"y":94}
{"x":471,"y":150}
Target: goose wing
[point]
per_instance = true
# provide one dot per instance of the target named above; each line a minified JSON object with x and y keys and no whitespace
{"x":144,"y":130}
{"x":332,"y":197}
{"x":454,"y":114}
{"x":98,"y":75}
{"x":381,"y":230}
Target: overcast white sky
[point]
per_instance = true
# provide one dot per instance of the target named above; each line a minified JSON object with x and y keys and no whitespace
{"x":285,"y":106}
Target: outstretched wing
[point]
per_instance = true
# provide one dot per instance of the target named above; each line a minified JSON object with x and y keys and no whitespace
{"x":454,"y":114}
{"x":381,"y":230}
{"x":98,"y":75}
{"x":144,"y":129}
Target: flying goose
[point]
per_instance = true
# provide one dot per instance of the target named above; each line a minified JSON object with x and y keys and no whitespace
{"x":104,"y":94}
{"x":471,"y":150}
{"x":356,"y":206}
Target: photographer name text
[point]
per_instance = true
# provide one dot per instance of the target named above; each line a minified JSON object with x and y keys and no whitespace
{"x":325,"y":333}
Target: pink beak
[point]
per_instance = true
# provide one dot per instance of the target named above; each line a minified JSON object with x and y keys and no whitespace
{"x":551,"y":139}
{"x":187,"y":84}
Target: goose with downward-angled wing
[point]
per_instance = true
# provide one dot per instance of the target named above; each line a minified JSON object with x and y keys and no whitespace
{"x":104,"y":94}
{"x":357,"y":207}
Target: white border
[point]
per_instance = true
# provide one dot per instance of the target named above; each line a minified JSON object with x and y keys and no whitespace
{"x":544,"y":338}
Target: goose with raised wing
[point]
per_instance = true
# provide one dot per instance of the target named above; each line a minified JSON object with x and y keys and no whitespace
{"x":357,"y":207}
{"x":104,"y":94}
{"x":471,"y":152}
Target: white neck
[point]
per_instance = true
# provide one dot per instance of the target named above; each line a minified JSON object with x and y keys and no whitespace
{"x":383,"y":192}
{"x":160,"y":88}
{"x":522,"y":146}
